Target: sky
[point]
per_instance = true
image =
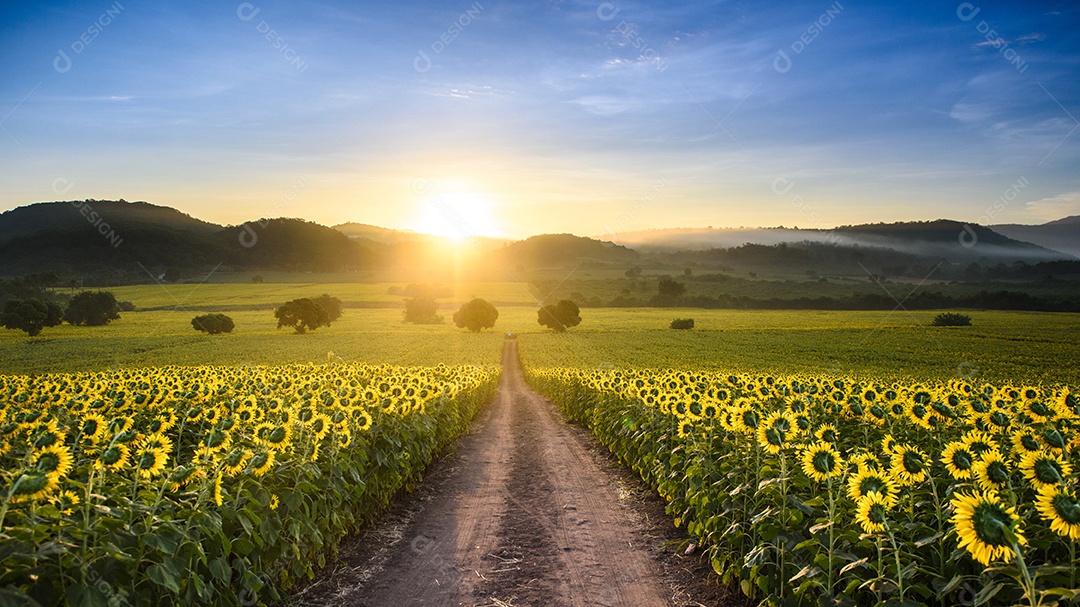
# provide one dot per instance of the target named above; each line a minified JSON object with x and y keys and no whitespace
{"x":486,"y":117}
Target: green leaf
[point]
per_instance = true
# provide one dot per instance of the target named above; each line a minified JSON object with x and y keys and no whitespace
{"x":928,"y":539}
{"x":987,"y":593}
{"x":220,"y":570}
{"x":161,"y":576}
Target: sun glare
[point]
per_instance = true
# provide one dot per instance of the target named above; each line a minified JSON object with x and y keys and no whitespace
{"x":458,"y":216}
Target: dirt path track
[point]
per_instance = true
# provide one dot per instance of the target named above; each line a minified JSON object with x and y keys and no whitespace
{"x":526,"y":512}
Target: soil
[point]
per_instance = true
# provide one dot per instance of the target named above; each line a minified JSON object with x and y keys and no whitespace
{"x":529,"y":511}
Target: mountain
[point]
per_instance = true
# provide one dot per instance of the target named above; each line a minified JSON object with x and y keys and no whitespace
{"x":547,"y":250}
{"x":378,"y":234}
{"x":1061,"y":235}
{"x":114,"y":215}
{"x":954,"y":241}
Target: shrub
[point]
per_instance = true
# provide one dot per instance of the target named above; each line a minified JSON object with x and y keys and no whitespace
{"x":92,"y":308}
{"x":125,"y":306}
{"x":682,"y":323}
{"x":475,"y":315}
{"x":422,"y":311}
{"x":213,"y":323}
{"x":301,"y":315}
{"x":951,"y":319}
{"x":332,"y":305}
{"x":560,"y":316}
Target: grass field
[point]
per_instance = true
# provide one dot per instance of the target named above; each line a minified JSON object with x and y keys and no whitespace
{"x":1013,"y":346}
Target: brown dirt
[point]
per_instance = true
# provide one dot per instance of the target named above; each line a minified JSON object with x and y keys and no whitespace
{"x":529,"y":511}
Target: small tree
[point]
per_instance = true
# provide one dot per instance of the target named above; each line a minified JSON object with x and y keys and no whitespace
{"x":560,"y":316}
{"x":257,"y":279}
{"x":475,"y":315}
{"x":301,"y":315}
{"x":951,"y":319}
{"x":422,"y":311}
{"x":682,"y":323}
{"x":332,"y":305}
{"x":92,"y":308}
{"x":668,"y":287}
{"x":213,"y":324}
{"x":30,"y":315}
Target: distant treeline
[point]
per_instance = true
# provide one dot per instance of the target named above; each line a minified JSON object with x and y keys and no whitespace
{"x":929,"y":300}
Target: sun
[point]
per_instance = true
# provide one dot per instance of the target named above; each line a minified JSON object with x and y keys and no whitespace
{"x":458,"y":216}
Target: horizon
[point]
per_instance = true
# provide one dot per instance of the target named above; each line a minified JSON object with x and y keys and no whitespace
{"x":587,"y":118}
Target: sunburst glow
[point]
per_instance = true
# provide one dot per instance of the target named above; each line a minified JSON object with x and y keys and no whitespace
{"x":458,"y":215}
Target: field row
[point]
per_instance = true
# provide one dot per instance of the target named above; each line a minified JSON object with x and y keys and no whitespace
{"x":808,"y":491}
{"x":1001,"y":346}
{"x":212,"y":485}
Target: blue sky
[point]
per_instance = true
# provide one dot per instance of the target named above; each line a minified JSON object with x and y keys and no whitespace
{"x":562,"y":116}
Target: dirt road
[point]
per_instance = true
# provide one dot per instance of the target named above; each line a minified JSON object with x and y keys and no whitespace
{"x":526,"y":512}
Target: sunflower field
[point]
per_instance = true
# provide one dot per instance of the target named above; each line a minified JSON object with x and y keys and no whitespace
{"x":806,"y":490}
{"x":208,"y":485}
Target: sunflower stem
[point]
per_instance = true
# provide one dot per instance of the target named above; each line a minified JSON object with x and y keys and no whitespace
{"x":1028,"y":582}
{"x":896,"y":555}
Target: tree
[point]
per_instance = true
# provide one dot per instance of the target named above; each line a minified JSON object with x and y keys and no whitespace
{"x":633,"y":272}
{"x":951,"y":319}
{"x":670,"y":288}
{"x":422,"y":310}
{"x":257,"y":279}
{"x":332,"y":305}
{"x":560,"y":316}
{"x":682,"y":323}
{"x":92,"y":308}
{"x":475,"y":315}
{"x":213,"y":324}
{"x":30,"y":315}
{"x":301,"y":315}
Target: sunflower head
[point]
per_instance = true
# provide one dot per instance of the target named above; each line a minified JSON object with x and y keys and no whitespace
{"x":820,"y":461}
{"x":988,"y":529}
{"x":1060,"y":507}
{"x":909,"y":464}
{"x":872,"y":512}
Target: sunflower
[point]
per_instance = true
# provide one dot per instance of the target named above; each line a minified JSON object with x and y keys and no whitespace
{"x":987,"y":528}
{"x":30,"y":486}
{"x":218,"y":498}
{"x":274,"y":436}
{"x":866,"y":461}
{"x":150,"y":461}
{"x":827,"y":434}
{"x":979,"y":442}
{"x":113,"y":458}
{"x":1060,"y":507}
{"x":320,"y":424}
{"x":958,"y":460}
{"x":65,"y":501}
{"x":774,"y":432}
{"x":820,"y":461}
{"x":1044,"y":469}
{"x":54,"y":461}
{"x":183,"y":476}
{"x":261,"y":462}
{"x":93,"y":428}
{"x":686,"y":428}
{"x":865,"y":482}
{"x":991,"y":471}
{"x":1025,"y":441}
{"x":909,"y":465}
{"x":872,"y":512}
{"x":235,"y":461}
